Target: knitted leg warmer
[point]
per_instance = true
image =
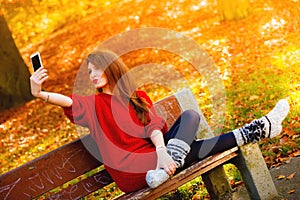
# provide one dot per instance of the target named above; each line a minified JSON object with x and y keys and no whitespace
{"x":178,"y":150}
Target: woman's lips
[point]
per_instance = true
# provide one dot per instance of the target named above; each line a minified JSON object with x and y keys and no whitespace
{"x":95,"y":81}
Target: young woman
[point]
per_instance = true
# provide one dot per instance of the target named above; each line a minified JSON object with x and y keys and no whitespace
{"x":136,"y":146}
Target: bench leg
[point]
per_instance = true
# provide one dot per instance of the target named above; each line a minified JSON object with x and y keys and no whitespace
{"x":215,"y":180}
{"x":255,"y":173}
{"x":217,"y":183}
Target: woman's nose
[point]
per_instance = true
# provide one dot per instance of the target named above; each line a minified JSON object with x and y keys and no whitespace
{"x":93,"y":75}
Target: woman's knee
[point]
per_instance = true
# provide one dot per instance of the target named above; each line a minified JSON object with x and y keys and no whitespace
{"x":191,"y":116}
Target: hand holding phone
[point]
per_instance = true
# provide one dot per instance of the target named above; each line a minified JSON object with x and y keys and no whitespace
{"x":37,"y":78}
{"x":36,"y":61}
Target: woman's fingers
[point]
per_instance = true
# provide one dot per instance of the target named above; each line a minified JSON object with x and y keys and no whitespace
{"x":40,"y":75}
{"x":36,"y":80}
{"x":39,"y":71}
{"x":165,"y":161}
{"x":43,"y":78}
{"x":170,"y":169}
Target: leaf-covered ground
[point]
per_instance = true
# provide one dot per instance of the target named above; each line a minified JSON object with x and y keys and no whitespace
{"x":258,"y":59}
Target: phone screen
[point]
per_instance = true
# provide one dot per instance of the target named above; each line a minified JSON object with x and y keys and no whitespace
{"x":36,"y":62}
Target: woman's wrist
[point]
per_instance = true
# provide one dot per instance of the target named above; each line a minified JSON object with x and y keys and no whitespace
{"x":47,"y":98}
{"x":43,"y":95}
{"x":160,"y":147}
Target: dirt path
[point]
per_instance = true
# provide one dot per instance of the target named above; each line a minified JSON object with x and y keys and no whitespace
{"x":285,"y":185}
{"x":286,"y":179}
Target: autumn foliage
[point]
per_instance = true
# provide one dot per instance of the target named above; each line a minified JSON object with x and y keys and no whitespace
{"x":257,"y":58}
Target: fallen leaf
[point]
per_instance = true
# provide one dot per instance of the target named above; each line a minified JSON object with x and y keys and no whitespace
{"x":296,"y":118}
{"x":291,"y":176}
{"x":254,"y":97}
{"x":296,"y":154}
{"x":280,"y":177}
{"x":288,"y":160}
{"x":283,"y":140}
{"x":291,"y":191}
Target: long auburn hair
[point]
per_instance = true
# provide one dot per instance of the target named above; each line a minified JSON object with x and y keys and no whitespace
{"x":119,"y":80}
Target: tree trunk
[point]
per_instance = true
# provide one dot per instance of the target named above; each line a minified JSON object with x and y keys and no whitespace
{"x":14,"y":74}
{"x":233,"y":9}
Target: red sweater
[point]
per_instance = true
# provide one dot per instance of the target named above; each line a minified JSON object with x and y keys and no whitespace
{"x":123,"y":141}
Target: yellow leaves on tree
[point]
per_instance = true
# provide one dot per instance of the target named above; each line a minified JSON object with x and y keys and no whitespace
{"x":233,"y":9}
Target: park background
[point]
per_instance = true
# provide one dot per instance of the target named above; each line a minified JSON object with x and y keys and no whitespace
{"x":256,"y":52}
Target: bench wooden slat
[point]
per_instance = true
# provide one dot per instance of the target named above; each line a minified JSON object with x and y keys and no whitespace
{"x":169,"y":109}
{"x":48,"y":171}
{"x":84,"y":187}
{"x":184,"y":176}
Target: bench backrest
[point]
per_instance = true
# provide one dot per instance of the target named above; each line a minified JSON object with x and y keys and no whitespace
{"x":73,"y":160}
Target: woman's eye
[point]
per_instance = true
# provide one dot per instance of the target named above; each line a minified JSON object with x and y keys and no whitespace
{"x":89,"y":71}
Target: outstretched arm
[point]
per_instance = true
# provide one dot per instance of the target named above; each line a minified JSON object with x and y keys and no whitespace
{"x":36,"y":81}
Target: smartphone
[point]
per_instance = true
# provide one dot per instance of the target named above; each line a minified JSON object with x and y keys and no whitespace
{"x":36,"y":61}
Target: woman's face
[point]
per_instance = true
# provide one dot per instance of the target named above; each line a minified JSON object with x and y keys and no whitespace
{"x":98,"y":77}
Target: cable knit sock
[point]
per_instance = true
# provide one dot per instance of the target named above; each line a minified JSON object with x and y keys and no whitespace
{"x":178,"y":150}
{"x":154,"y":178}
{"x":266,"y":127}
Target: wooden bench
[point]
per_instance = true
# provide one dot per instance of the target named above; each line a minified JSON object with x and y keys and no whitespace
{"x":71,"y":161}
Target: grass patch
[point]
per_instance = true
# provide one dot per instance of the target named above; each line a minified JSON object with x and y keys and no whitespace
{"x":232,"y":173}
{"x":194,"y":189}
